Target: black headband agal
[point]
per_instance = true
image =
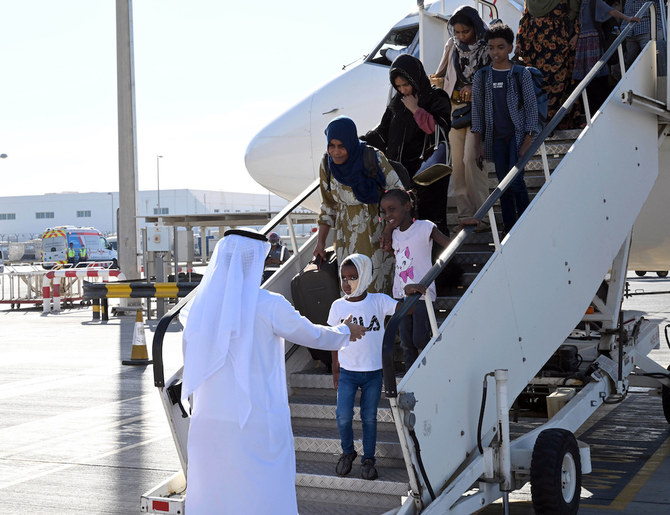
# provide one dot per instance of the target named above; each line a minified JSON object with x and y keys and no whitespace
{"x":247,"y":233}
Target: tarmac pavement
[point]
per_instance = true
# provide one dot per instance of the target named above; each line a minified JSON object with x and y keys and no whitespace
{"x":82,"y":433}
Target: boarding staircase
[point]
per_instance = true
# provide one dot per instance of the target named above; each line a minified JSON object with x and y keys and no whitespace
{"x":312,"y":398}
{"x":518,"y":303}
{"x":528,"y":298}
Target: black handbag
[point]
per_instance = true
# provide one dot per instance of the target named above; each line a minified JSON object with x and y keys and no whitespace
{"x":462,"y":117}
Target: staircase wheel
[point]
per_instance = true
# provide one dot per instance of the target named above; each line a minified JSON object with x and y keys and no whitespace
{"x":662,"y":274}
{"x":640,"y":273}
{"x":556,"y":473}
{"x":665,"y":399}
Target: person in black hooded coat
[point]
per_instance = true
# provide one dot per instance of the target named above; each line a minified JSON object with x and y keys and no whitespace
{"x":407,"y":131}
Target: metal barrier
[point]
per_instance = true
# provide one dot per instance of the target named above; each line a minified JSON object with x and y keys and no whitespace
{"x":21,"y":284}
{"x":138,"y":290}
{"x":51,"y":290}
{"x":100,"y":292}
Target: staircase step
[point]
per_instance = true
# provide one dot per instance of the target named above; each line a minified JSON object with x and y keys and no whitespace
{"x":327,"y":441}
{"x":556,"y":148}
{"x":318,"y":482}
{"x":569,"y":134}
{"x":382,"y":461}
{"x":446,"y":303}
{"x":532,"y":182}
{"x":312,"y":379}
{"x":324,"y":408}
{"x":327,"y":508}
{"x":471,"y":258}
{"x":328,"y":423}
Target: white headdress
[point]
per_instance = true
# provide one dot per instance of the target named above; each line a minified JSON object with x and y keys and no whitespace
{"x":364,"y":266}
{"x":220,"y":321}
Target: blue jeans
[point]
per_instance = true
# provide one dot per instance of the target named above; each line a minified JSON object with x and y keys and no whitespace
{"x":515,"y":200}
{"x":414,"y":333}
{"x":370,"y":384}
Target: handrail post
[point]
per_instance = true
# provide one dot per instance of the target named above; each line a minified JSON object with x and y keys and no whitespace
{"x":431,"y":315}
{"x":494,"y":229}
{"x":545,"y":161}
{"x":294,"y":240}
{"x":587,"y":110}
{"x":622,"y":64}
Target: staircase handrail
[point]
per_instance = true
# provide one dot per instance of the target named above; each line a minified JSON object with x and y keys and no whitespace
{"x":164,"y":322}
{"x":390,"y":387}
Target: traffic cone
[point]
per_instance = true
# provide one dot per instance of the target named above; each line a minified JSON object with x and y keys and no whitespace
{"x":138,"y":354}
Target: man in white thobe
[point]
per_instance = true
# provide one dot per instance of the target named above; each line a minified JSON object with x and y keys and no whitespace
{"x":241,"y":458}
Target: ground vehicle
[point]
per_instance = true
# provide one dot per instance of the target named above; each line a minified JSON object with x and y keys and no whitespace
{"x":56,"y":240}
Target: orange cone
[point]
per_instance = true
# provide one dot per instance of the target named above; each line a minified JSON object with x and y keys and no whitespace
{"x":138,"y":354}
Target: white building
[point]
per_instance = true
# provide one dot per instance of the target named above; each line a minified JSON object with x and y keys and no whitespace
{"x":25,"y":217}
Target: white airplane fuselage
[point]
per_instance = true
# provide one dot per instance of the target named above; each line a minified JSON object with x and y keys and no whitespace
{"x":284,"y":156}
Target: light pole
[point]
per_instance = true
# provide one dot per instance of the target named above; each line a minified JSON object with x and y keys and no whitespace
{"x":111,"y":198}
{"x":158,"y":182}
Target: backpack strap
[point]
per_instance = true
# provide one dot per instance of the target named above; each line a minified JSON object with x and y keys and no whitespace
{"x":370,"y":161}
{"x":324,"y":163}
{"x":517,"y":70}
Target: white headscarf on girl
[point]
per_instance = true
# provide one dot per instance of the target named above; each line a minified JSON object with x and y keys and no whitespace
{"x":364,"y":266}
{"x":220,"y":321}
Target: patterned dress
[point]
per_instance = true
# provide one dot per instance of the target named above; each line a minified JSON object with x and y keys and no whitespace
{"x":544,"y":42}
{"x":589,"y":51}
{"x":358,"y":226}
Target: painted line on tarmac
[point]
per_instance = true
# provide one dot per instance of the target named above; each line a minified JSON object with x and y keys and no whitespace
{"x":633,"y":487}
{"x":61,"y":467}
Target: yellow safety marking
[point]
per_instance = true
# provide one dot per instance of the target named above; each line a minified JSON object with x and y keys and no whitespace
{"x":53,"y":234}
{"x":118,"y":290}
{"x":634,"y":485}
{"x":164,"y":290}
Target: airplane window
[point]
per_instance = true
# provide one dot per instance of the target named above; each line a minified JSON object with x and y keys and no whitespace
{"x":398,"y":41}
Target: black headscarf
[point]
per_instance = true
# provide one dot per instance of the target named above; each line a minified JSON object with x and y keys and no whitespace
{"x":411,"y":69}
{"x":398,"y":135}
{"x":468,"y":16}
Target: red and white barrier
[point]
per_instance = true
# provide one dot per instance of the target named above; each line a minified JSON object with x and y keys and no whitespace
{"x":51,"y":288}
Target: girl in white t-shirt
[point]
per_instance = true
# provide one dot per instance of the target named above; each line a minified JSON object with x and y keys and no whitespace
{"x":412,"y":246}
{"x":360,"y":366}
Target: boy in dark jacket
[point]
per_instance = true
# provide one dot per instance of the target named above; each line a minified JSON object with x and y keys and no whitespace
{"x":505,"y":118}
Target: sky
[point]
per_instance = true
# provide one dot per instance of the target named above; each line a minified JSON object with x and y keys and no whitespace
{"x":209,"y":74}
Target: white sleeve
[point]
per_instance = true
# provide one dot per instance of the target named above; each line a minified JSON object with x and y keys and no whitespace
{"x":389,"y":305}
{"x":290,"y":325}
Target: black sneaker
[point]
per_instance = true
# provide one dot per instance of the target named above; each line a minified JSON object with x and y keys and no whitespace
{"x":368,"y":470}
{"x":343,"y":466}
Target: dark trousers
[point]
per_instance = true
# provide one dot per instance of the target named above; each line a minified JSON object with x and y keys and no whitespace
{"x":515,"y":200}
{"x":414,"y":333}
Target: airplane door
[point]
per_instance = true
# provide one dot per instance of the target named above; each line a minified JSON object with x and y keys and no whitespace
{"x":434,"y":35}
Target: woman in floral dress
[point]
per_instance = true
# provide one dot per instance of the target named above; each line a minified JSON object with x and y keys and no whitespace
{"x":350,"y":201}
{"x":546,"y":40}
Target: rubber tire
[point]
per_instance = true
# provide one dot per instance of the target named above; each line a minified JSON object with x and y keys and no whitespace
{"x":114,"y":265}
{"x":664,"y":273}
{"x":640,"y":273}
{"x":665,"y":400}
{"x":552,"y":447}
